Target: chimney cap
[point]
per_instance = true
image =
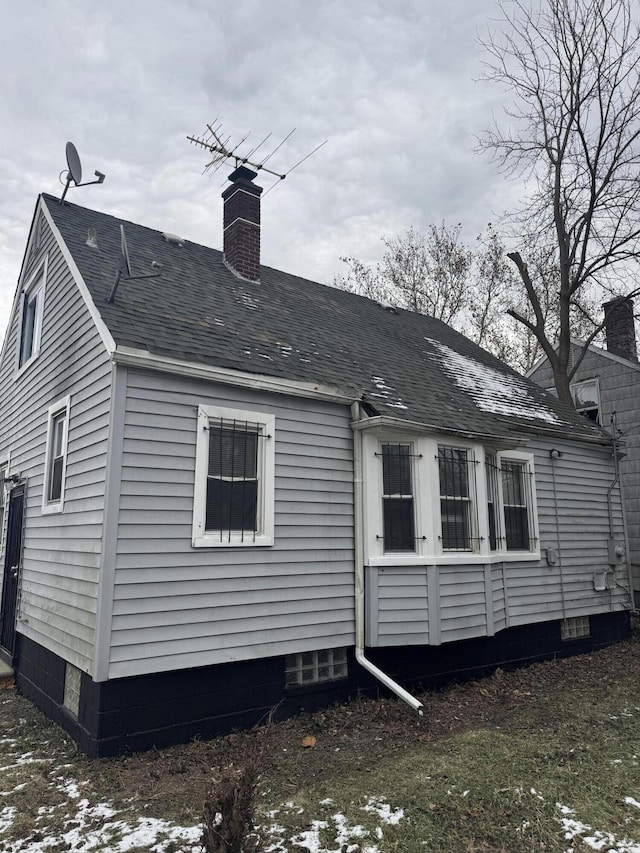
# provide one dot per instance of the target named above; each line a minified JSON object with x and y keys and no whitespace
{"x":242,"y":174}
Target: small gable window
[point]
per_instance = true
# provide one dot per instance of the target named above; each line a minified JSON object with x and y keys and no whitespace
{"x":31,"y":317}
{"x":233,"y":500}
{"x":56,"y":457}
{"x":586,"y":399}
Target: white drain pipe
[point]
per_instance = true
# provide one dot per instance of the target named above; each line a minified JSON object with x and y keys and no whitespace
{"x":359,"y":574}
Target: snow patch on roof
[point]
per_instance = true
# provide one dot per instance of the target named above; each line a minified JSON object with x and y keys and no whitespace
{"x":491,"y":390}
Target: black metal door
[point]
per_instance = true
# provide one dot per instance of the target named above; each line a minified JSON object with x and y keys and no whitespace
{"x":11,"y":569}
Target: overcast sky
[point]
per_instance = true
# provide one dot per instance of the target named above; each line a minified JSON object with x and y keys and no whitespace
{"x":391,"y":84}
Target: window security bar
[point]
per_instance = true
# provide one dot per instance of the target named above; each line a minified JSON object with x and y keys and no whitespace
{"x":232,"y":501}
{"x":458,"y":511}
{"x":415,"y":538}
{"x":404,"y":455}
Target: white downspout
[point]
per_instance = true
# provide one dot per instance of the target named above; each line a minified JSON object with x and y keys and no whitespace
{"x":359,"y":573}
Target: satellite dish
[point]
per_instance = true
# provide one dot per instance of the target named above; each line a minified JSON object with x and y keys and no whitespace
{"x":73,"y":162}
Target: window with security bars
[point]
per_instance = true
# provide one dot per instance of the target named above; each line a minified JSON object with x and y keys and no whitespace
{"x":516,"y":500}
{"x":234,"y":483}
{"x":315,"y":667}
{"x":492,"y":475}
{"x":397,"y":498}
{"x":456,"y":510}
{"x":232,"y":478}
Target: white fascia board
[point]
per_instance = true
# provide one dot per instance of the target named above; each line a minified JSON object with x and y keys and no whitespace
{"x":131,"y":357}
{"x":18,"y":290}
{"x":99,"y":323}
{"x":386,"y":422}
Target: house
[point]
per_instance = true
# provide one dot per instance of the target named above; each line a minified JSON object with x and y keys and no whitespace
{"x":606,"y":385}
{"x":226,"y":487}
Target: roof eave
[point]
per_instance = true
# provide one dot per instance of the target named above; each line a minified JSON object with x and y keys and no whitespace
{"x":131,"y":357}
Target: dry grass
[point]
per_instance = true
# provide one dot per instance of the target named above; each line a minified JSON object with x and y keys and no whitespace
{"x":482,"y":771}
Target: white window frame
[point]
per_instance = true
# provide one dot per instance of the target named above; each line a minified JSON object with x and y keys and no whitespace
{"x":373,"y":501}
{"x":5,"y":461}
{"x":60,"y":407}
{"x":527,"y":460}
{"x":474,"y":457}
{"x":429,"y":548}
{"x":33,"y":291}
{"x":583,"y":409}
{"x":266,"y":423}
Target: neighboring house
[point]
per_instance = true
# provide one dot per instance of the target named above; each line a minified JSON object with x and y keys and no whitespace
{"x":229,"y":487}
{"x":605,"y":386}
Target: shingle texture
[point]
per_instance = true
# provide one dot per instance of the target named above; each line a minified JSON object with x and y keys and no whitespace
{"x":403,"y":364}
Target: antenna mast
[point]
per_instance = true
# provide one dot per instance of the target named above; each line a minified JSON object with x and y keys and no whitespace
{"x":221,"y":152}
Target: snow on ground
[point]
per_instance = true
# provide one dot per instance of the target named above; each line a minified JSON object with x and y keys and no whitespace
{"x":492,"y":390}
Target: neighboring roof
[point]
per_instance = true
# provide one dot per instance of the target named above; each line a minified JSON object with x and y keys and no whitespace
{"x":595,"y":350}
{"x":406,"y":365}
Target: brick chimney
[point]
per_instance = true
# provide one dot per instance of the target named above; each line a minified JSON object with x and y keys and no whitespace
{"x":620,"y":328}
{"x":241,"y":224}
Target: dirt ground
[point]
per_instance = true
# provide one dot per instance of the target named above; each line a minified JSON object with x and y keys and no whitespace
{"x":356,"y":735}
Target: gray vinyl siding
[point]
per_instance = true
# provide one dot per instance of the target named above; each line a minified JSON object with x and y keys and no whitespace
{"x":61,"y":558}
{"x":619,"y":382}
{"x":445,"y":603}
{"x":177,"y":606}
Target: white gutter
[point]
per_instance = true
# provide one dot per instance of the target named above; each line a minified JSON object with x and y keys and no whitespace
{"x":359,"y":572}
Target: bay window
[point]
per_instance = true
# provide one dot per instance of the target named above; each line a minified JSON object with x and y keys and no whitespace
{"x":440,"y":502}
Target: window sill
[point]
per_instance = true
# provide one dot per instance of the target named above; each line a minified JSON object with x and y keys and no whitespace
{"x":214,"y":541}
{"x":459,"y":558}
{"x":27,"y":364}
{"x":52,"y":509}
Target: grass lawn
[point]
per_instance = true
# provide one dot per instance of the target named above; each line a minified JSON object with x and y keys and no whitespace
{"x":546,"y":758}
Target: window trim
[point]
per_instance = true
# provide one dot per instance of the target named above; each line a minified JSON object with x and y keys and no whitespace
{"x":266,"y":423}
{"x":5,"y":465}
{"x":35,"y":289}
{"x":585,"y":409}
{"x":527,"y":460}
{"x":471,"y":500}
{"x":59,"y":407}
{"x":426,"y":487}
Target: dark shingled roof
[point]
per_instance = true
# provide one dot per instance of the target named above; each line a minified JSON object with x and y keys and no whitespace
{"x":406,"y":365}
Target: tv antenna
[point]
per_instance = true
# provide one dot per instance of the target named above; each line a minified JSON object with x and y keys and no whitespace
{"x":222,"y":151}
{"x":74,"y":171}
{"x":124,"y":267}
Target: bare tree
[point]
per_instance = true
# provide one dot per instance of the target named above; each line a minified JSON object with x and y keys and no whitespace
{"x":426,"y":273}
{"x":573,"y":67}
{"x":437,"y":274}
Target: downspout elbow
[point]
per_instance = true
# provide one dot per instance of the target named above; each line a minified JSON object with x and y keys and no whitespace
{"x":359,"y":591}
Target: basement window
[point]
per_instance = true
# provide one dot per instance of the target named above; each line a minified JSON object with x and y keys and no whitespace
{"x":72,"y":681}
{"x":575,"y":627}
{"x":315,"y":667}
{"x":234,"y":478}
